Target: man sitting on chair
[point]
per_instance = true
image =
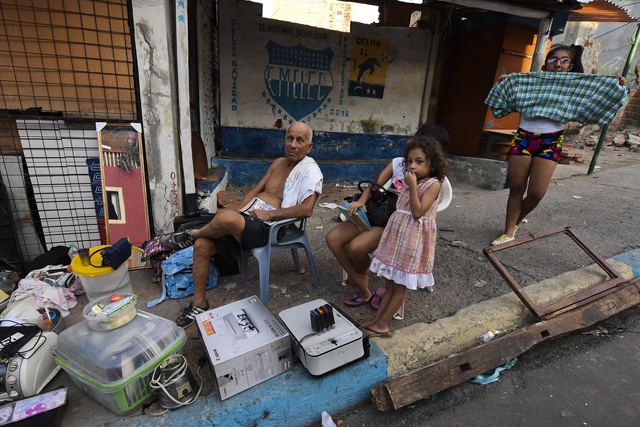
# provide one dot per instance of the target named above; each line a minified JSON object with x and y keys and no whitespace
{"x":287,"y":190}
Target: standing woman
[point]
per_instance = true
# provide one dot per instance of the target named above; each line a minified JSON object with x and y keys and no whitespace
{"x":535,"y":149}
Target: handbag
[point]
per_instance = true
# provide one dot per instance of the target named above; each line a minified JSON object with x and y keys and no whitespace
{"x":115,"y":255}
{"x":380,"y":205}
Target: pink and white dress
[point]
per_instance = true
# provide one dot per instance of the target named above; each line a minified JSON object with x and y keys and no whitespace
{"x":407,"y":247}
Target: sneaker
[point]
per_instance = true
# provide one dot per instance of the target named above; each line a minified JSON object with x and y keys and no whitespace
{"x":502,"y":239}
{"x":188,"y":315}
{"x":177,"y":241}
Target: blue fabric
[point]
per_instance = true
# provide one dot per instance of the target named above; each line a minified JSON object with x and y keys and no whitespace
{"x":562,"y":97}
{"x":493,"y":375}
{"x":177,"y":276}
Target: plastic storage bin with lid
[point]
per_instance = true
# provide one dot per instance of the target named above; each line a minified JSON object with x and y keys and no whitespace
{"x":101,"y":281}
{"x":115,"y":367}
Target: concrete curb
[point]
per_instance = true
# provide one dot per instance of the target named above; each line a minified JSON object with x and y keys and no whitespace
{"x":422,"y":344}
{"x":297,"y":398}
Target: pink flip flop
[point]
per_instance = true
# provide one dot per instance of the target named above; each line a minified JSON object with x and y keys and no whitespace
{"x":376,"y":298}
{"x":356,"y":300}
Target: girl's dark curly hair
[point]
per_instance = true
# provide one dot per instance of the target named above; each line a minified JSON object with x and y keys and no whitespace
{"x":434,"y":152}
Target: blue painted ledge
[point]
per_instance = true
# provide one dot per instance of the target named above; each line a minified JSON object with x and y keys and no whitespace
{"x":293,"y":398}
{"x":248,"y":172}
{"x":248,"y":143}
{"x":632,"y":259}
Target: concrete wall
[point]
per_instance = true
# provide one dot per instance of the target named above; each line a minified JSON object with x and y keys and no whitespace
{"x":361,"y":92}
{"x":153,"y":34}
{"x":206,"y":76}
{"x":614,"y":40}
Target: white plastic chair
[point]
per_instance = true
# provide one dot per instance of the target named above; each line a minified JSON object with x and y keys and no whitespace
{"x":293,"y":235}
{"x":444,"y":199}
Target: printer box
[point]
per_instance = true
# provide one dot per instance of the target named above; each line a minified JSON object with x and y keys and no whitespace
{"x":245,"y":343}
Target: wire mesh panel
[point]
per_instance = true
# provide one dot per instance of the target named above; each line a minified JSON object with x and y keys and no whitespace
{"x":73,"y":56}
{"x":64,"y":65}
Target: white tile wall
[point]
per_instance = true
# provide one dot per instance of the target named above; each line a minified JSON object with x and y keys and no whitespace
{"x":56,"y":160}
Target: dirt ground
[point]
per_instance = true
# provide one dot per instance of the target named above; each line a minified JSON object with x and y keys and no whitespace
{"x":462,"y":273}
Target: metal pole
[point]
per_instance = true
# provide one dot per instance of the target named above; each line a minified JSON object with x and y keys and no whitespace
{"x":544,"y":28}
{"x":605,"y":128}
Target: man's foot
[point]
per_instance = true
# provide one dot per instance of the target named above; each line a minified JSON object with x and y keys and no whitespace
{"x":188,"y":315}
{"x":177,"y":241}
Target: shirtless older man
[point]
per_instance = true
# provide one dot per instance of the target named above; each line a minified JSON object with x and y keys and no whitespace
{"x":289,"y":187}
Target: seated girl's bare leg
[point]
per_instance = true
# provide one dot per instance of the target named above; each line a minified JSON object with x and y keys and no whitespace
{"x":391,"y":302}
{"x":351,"y":246}
{"x":359,"y":250}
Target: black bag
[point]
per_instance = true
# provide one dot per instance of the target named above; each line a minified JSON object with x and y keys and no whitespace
{"x":115,"y":255}
{"x":196,"y":221}
{"x":380,"y":205}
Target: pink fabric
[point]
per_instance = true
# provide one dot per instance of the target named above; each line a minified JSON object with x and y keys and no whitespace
{"x":157,"y":253}
{"x":407,"y":247}
{"x":45,"y":295}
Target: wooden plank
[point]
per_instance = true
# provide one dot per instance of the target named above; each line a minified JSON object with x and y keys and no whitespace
{"x":398,"y":392}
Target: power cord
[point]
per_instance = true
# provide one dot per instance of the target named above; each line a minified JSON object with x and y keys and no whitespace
{"x":158,"y":383}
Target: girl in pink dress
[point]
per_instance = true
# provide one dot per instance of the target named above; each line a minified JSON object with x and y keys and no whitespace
{"x":407,"y":247}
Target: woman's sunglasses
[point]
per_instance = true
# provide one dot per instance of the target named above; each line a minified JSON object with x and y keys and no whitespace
{"x":564,"y":60}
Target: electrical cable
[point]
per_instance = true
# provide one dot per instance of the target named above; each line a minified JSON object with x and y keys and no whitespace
{"x":158,"y":383}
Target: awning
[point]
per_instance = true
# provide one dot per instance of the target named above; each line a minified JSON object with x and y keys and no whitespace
{"x":601,"y":11}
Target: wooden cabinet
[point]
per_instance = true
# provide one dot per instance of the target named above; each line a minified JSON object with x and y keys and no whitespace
{"x":473,"y":66}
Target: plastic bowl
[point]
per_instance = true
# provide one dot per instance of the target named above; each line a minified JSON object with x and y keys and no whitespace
{"x":104,"y":315}
{"x":57,"y":321}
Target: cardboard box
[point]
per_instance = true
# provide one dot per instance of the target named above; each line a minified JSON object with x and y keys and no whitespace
{"x":245,"y":343}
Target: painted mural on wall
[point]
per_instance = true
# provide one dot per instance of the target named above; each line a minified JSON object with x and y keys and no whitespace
{"x":273,"y":73}
{"x":298,"y":80}
{"x":369,"y":56}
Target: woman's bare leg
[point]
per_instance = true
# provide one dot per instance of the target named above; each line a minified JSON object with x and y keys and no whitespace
{"x":351,"y":246}
{"x":519,"y":169}
{"x":539,"y":179}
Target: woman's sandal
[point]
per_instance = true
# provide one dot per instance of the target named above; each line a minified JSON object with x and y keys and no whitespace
{"x":377,"y":297}
{"x":356,"y":300}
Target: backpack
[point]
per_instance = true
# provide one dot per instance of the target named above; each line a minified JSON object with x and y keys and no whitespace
{"x":177,"y":276}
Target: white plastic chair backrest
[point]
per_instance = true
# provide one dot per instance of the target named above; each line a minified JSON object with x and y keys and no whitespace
{"x":446,"y":193}
{"x":444,"y":198}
